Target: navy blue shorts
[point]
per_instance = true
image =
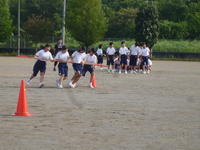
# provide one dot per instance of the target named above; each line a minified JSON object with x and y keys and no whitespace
{"x":123,"y":60}
{"x":110,"y":60}
{"x":100,"y":59}
{"x":133,"y":60}
{"x":39,"y":66}
{"x":88,"y":68}
{"x":78,"y":67}
{"x":63,"y":69}
{"x":145,"y":60}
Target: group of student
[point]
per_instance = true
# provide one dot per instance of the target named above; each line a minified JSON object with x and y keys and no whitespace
{"x":132,"y":60}
{"x":83,"y":62}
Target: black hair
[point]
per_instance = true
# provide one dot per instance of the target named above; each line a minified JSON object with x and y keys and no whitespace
{"x":82,"y":48}
{"x":123,"y":42}
{"x":100,"y":45}
{"x":64,"y":47}
{"x":47,"y":45}
{"x":111,"y":43}
{"x":41,"y":47}
{"x":92,"y":50}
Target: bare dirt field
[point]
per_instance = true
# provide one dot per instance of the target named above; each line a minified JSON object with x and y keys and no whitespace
{"x":160,"y":111}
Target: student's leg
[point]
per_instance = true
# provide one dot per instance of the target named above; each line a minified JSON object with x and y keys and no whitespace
{"x":55,"y":64}
{"x":77,"y":76}
{"x":42,"y":77}
{"x":91,"y":77}
{"x":61,"y":79}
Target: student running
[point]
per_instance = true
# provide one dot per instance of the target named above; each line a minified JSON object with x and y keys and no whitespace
{"x":77,"y":60}
{"x":42,"y":57}
{"x":90,"y":59}
{"x":62,"y":57}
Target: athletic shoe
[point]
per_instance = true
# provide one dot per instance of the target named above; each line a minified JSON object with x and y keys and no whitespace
{"x":113,"y":71}
{"x":91,"y":86}
{"x":143,"y":72}
{"x":108,"y":71}
{"x":28,"y":82}
{"x":120,"y":71}
{"x":57,"y":83}
{"x":131,"y":71}
{"x":126,"y":72}
{"x":72,"y":85}
{"x":134,"y":72}
{"x":148,"y":72}
{"x":60,"y":86}
{"x":41,"y":85}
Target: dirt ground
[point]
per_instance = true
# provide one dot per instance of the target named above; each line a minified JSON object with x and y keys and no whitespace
{"x":160,"y":111}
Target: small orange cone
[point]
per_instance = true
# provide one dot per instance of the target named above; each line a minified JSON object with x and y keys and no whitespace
{"x":22,"y":106}
{"x":94,"y":83}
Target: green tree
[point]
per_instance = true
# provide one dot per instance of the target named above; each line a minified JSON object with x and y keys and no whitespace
{"x":122,"y":25}
{"x":147,"y":25}
{"x":38,"y":28}
{"x":86,"y":21}
{"x":5,"y":21}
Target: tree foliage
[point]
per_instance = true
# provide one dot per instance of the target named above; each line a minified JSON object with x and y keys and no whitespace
{"x":147,"y":25}
{"x":5,"y":21}
{"x":86,"y":21}
{"x":38,"y":28}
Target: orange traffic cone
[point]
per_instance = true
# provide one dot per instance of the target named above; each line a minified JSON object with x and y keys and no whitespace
{"x":22,"y":106}
{"x":94,"y":83}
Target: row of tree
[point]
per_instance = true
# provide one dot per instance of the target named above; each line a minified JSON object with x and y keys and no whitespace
{"x":88,"y":20}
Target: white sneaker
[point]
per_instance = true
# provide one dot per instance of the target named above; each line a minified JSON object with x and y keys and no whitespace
{"x":41,"y":85}
{"x":60,"y":86}
{"x":126,"y":72}
{"x":91,"y":86}
{"x":108,"y":70}
{"x":143,"y":72}
{"x":72,"y":85}
{"x":113,"y":71}
{"x":28,"y":82}
{"x":120,"y":71}
{"x":57,"y":83}
{"x":134,"y":72}
{"x":148,"y":72}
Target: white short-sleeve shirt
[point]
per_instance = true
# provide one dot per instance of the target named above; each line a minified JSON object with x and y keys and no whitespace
{"x":91,"y":59}
{"x":62,"y":56}
{"x":99,"y":52}
{"x":110,"y":51}
{"x":44,"y":56}
{"x":135,"y":50}
{"x":145,"y":51}
{"x":78,"y":57}
{"x":123,"y":51}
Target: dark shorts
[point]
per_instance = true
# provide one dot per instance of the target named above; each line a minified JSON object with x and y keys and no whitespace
{"x":39,"y":66}
{"x":87,"y":68}
{"x":100,"y":59}
{"x":110,"y":60}
{"x":63,"y":69}
{"x":78,"y":67}
{"x":145,"y":60}
{"x":123,"y":60}
{"x":133,"y":60}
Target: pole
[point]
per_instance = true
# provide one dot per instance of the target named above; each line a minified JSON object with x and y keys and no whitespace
{"x":63,"y":24}
{"x":18,"y":37}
